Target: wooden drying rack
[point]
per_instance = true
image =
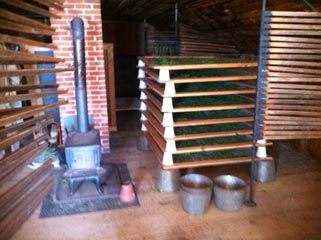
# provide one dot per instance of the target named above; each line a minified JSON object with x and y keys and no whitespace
{"x":157,"y":94}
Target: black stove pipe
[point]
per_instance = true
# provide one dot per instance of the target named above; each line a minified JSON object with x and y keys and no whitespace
{"x":78,"y":35}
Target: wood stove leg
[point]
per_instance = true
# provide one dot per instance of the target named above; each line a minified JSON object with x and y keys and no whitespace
{"x":98,"y":185}
{"x":71,"y":186}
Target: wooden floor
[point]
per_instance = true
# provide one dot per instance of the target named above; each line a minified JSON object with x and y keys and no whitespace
{"x":288,"y":208}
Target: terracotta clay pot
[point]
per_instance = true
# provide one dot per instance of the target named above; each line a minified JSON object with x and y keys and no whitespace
{"x":127,"y":193}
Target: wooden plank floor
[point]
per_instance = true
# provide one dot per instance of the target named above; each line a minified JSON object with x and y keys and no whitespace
{"x":288,"y":208}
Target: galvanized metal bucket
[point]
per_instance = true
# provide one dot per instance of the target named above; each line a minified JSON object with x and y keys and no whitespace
{"x":229,"y":192}
{"x":196,"y":193}
{"x":264,"y":171}
{"x":167,"y":180}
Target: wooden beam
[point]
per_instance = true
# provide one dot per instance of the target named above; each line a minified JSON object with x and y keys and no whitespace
{"x":294,"y":70}
{"x":294,"y":86}
{"x":19,"y":157}
{"x":294,"y":20}
{"x":214,"y":79}
{"x":29,"y":202}
{"x":30,"y":72}
{"x":29,"y":7}
{"x":294,"y":32}
{"x":297,"y":112}
{"x":291,"y":39}
{"x":213,"y":108}
{"x":207,"y":163}
{"x":24,"y":87}
{"x":294,"y":79}
{"x":13,"y":57}
{"x":24,"y":20}
{"x":29,"y":96}
{"x":153,"y":99}
{"x":216,"y":147}
{"x":25,"y":112}
{"x":23,"y":125}
{"x":22,"y":134}
{"x":291,"y":93}
{"x":290,"y":50}
{"x":4,"y":38}
{"x":154,"y":122}
{"x":292,"y":14}
{"x":159,"y":140}
{"x":50,"y":3}
{"x":292,"y":26}
{"x":154,"y":110}
{"x":207,"y":66}
{"x":279,"y":106}
{"x":10,"y":168}
{"x":21,"y":28}
{"x":293,"y":63}
{"x":20,"y":186}
{"x":292,"y":45}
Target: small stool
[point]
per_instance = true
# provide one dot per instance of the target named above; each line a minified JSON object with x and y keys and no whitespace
{"x":77,"y":175}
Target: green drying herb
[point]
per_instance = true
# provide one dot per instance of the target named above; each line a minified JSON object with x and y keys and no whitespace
{"x":223,"y":154}
{"x":211,"y":128}
{"x":190,"y":60}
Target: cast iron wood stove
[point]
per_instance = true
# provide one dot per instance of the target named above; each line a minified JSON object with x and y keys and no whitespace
{"x":82,"y":147}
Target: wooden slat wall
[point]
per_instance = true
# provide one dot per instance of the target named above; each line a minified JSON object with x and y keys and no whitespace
{"x":193,"y":42}
{"x":22,"y":112}
{"x":290,"y":76}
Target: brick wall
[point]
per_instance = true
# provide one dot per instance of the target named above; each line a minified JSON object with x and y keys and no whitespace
{"x":89,"y":11}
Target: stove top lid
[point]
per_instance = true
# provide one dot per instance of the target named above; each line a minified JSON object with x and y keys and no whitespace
{"x":76,"y":139}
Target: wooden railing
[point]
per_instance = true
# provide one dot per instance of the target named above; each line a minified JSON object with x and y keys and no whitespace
{"x":195,"y":121}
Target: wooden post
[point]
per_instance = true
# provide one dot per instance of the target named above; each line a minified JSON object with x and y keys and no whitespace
{"x":110,"y":85}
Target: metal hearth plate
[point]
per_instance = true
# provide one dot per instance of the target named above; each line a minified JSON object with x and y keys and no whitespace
{"x":86,"y":197}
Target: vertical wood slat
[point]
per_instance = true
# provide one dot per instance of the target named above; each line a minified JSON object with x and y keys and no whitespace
{"x":110,"y":84}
